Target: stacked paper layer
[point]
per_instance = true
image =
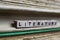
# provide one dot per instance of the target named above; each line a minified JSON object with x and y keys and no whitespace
{"x":32,"y":5}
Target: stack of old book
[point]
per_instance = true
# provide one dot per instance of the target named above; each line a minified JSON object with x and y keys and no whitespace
{"x":19,"y":17}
